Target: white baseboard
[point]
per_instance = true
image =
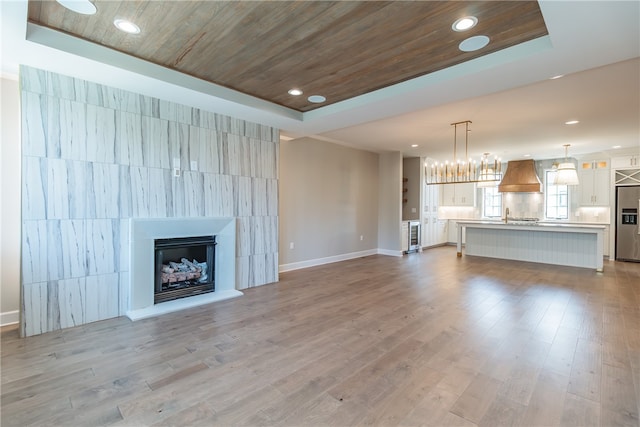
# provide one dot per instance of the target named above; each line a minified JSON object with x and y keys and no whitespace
{"x":9,"y":317}
{"x":336,"y":258}
{"x":389,"y":252}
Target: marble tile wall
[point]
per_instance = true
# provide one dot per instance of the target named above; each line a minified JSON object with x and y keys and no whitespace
{"x":95,"y":156}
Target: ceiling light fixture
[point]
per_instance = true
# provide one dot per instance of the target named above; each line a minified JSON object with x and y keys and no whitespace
{"x":316,"y":99}
{"x":126,"y":26}
{"x":464,"y":24}
{"x":84,"y":7}
{"x":414,"y":145}
{"x":295,"y":92}
{"x":572,"y":122}
{"x":466,"y":170}
{"x":559,"y":76}
{"x":566,"y":173}
{"x":473,"y":43}
{"x":615,"y":147}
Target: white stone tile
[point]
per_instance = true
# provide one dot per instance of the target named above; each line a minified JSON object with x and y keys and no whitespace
{"x":34,"y":188}
{"x":139,"y":188}
{"x":160,"y":193}
{"x":193,"y":187}
{"x":103,"y":196}
{"x":33,"y":79}
{"x":223,"y":123}
{"x":218,"y":195}
{"x":243,"y":272}
{"x":258,"y":266}
{"x":102,"y":242}
{"x":133,"y":102}
{"x":71,"y":302}
{"x":207,"y":119}
{"x":209,"y":151}
{"x":271,"y":234}
{"x":72,"y":125}
{"x":103,"y":300}
{"x":60,"y":86}
{"x":193,"y":148}
{"x":234,"y":154}
{"x":241,"y":196}
{"x":223,"y":153}
{"x":237,"y":126}
{"x":258,"y":234}
{"x":269,"y":160}
{"x":34,"y":308}
{"x":179,"y":146}
{"x":34,"y":251}
{"x":66,"y":189}
{"x":245,"y":236}
{"x":271,"y":267}
{"x":155,"y":139}
{"x":66,"y":249}
{"x":272,"y":197}
{"x":34,"y":116}
{"x":168,"y":111}
{"x":259,"y":196}
{"x":124,"y":292}
{"x":130,"y":147}
{"x":102,"y":130}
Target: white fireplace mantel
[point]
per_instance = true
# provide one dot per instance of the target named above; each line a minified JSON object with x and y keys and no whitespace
{"x":143,"y":233}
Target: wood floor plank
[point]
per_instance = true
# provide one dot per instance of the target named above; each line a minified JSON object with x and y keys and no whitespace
{"x":426,"y":339}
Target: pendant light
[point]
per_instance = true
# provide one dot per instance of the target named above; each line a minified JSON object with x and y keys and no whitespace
{"x":566,"y":173}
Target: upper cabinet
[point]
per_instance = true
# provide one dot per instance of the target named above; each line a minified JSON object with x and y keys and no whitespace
{"x":623,"y":162}
{"x":458,"y":194}
{"x":594,"y":183}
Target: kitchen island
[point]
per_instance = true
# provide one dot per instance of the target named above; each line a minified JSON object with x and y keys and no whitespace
{"x":560,"y":244}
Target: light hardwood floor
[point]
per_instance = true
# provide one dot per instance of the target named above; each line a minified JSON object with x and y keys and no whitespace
{"x":426,"y":339}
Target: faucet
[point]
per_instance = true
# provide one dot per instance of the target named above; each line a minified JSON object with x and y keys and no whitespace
{"x":506,"y":216}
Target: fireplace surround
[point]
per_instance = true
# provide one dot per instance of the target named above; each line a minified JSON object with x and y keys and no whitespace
{"x":144,"y":233}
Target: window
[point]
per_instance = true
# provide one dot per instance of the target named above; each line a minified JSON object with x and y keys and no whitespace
{"x":492,"y":203}
{"x":556,"y":198}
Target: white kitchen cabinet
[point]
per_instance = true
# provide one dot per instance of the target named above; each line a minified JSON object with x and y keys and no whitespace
{"x":595,"y":183}
{"x":433,"y":229}
{"x":458,"y":194}
{"x":624,"y":162}
{"x":605,"y":249}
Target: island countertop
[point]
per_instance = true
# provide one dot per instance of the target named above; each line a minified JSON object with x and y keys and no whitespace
{"x":549,"y":243}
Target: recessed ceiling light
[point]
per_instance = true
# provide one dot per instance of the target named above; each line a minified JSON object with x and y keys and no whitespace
{"x":414,"y":145}
{"x":464,"y":24}
{"x":617,"y":146}
{"x":559,"y":76}
{"x":316,"y":99}
{"x":84,"y":7}
{"x":572,"y":122}
{"x":527,"y":155}
{"x":126,"y":26}
{"x":295,"y":92}
{"x":473,"y":43}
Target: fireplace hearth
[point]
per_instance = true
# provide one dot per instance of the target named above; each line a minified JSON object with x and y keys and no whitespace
{"x":184,"y":267}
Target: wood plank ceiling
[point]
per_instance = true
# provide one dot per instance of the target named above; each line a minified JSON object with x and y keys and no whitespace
{"x":337,"y":49}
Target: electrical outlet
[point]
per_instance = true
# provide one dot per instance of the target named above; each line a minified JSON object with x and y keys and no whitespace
{"x":361,"y":237}
{"x":291,"y":245}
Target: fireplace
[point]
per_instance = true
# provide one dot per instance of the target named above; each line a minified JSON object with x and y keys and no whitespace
{"x":209,"y":240}
{"x":184,"y":267}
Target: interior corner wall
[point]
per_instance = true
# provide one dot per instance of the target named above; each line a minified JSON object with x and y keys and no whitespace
{"x":328,"y":199}
{"x":94,"y":156}
{"x":390,"y":202}
{"x":10,"y":202}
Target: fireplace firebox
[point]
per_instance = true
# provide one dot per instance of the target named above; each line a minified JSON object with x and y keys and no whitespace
{"x":184,"y":267}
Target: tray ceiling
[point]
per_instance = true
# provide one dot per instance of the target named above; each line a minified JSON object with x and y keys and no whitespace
{"x":337,"y":49}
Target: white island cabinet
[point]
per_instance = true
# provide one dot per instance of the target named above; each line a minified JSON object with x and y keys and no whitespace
{"x":560,"y":244}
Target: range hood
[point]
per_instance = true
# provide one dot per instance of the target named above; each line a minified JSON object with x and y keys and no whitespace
{"x":520,"y":177}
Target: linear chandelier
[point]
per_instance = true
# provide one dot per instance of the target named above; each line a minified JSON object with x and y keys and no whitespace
{"x":487,"y":173}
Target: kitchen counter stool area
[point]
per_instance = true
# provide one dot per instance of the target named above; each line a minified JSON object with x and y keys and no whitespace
{"x":559,"y":244}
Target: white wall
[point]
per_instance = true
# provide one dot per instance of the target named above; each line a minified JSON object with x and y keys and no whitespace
{"x":390,"y":203}
{"x":10,"y":201}
{"x":328,"y":198}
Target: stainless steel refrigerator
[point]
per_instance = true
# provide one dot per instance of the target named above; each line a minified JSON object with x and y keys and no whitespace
{"x":627,"y":232}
